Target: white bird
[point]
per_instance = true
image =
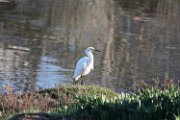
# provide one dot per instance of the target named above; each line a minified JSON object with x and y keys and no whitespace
{"x":84,"y":65}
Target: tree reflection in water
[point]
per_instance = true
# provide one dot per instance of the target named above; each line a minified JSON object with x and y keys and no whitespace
{"x":40,"y":41}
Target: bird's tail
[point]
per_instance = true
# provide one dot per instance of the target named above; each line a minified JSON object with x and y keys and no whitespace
{"x":75,"y":81}
{"x":75,"y":78}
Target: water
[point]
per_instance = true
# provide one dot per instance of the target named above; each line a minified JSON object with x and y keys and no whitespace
{"x":40,"y":42}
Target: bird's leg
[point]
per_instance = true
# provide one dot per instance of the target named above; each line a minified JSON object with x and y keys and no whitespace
{"x":82,"y":81}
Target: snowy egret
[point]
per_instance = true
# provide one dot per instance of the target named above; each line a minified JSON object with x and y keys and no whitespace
{"x":84,"y":65}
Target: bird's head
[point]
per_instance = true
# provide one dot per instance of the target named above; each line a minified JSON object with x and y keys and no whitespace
{"x":91,"y":49}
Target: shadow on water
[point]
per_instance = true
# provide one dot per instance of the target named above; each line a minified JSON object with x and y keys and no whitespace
{"x":40,"y":42}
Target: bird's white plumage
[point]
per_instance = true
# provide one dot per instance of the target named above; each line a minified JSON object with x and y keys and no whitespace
{"x":84,"y":65}
{"x":82,"y":68}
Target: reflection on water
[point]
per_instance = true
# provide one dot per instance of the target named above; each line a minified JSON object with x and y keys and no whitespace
{"x":50,"y":73}
{"x":40,"y":42}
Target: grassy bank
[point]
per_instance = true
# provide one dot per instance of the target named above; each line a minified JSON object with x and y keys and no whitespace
{"x":47,"y":100}
{"x":149,"y":104}
{"x":93,"y":102}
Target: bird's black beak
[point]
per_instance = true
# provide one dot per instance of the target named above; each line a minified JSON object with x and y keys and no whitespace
{"x":97,"y":50}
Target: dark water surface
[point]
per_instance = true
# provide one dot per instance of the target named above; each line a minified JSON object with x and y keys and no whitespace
{"x":41,"y":40}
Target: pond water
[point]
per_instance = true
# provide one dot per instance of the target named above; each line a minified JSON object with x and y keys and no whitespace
{"x":41,"y":41}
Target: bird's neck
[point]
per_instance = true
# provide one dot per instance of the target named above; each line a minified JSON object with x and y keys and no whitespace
{"x":90,"y":55}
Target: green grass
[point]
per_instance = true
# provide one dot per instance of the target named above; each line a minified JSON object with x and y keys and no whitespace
{"x":96,"y":103}
{"x":48,"y":100}
{"x":177,"y":117}
{"x":148,"y":104}
{"x":80,"y":90}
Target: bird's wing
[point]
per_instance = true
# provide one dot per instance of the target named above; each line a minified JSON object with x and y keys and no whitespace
{"x":80,"y":67}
